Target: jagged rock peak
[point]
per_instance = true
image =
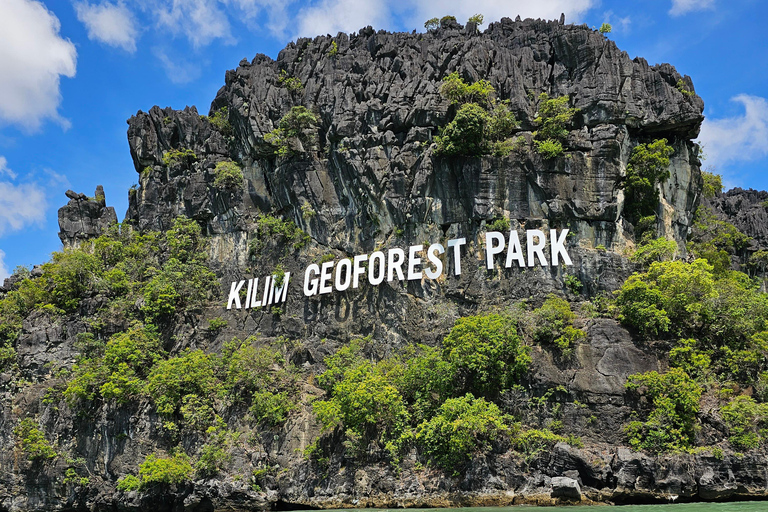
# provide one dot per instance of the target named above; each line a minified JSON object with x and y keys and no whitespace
{"x":84,"y":217}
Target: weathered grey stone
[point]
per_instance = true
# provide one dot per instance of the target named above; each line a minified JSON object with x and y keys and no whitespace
{"x":564,"y":487}
{"x":83,"y":217}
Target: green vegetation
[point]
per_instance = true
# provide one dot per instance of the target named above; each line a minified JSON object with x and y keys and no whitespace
{"x":477,"y":19}
{"x":713,"y":184}
{"x":647,"y":168}
{"x":228,"y":175}
{"x":269,"y":228}
{"x":482,"y":124}
{"x":158,"y":469}
{"x":32,"y":441}
{"x":715,"y":240}
{"x":555,"y":116}
{"x":650,"y":251}
{"x":439,"y":399}
{"x":220,"y":119}
{"x":462,"y":427}
{"x":291,"y":127}
{"x":432,"y":24}
{"x":175,"y":156}
{"x":333,"y":50}
{"x":292,"y":83}
{"x":670,"y":423}
{"x":680,"y":86}
{"x":605,"y":28}
{"x":552,"y":324}
{"x":747,"y":421}
{"x":500,"y":224}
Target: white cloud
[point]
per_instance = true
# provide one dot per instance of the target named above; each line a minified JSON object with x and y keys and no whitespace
{"x":618,"y":24}
{"x":111,"y":24}
{"x":201,"y":21}
{"x":33,"y":57}
{"x":4,"y":169}
{"x":3,"y":269}
{"x":739,"y":138}
{"x":178,"y":70}
{"x":494,"y":10}
{"x":21,"y":205}
{"x":276,"y":10}
{"x":680,"y":7}
{"x":331,"y":16}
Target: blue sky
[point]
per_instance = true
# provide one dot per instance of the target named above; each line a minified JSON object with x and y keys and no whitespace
{"x":73,"y":71}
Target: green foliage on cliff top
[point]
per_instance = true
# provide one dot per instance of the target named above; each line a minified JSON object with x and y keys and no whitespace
{"x":747,"y":422}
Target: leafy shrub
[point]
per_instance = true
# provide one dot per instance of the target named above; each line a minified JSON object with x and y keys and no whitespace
{"x":533,"y":441}
{"x":462,"y":427}
{"x":228,"y":175}
{"x":454,"y":88}
{"x":500,"y":224}
{"x":333,"y":50}
{"x":158,"y":470}
{"x":174,"y":156}
{"x":548,"y":148}
{"x":465,"y":134}
{"x":671,"y":293}
{"x":119,"y":374}
{"x":272,"y":408}
{"x":715,"y":240}
{"x":291,"y":83}
{"x":215,"y":453}
{"x":688,"y":356}
{"x":432,"y":24}
{"x":481,"y":125}
{"x":220,"y":119}
{"x":216,"y":324}
{"x":129,"y":483}
{"x":605,"y":28}
{"x":554,"y":118}
{"x":485,"y":354}
{"x":477,"y":18}
{"x":573,"y":283}
{"x":650,"y":251}
{"x":191,"y":373}
{"x":648,"y":166}
{"x":33,"y":442}
{"x":671,"y":421}
{"x":269,"y":227}
{"x":293,"y":125}
{"x":680,"y":86}
{"x":713,"y":184}
{"x":744,"y":418}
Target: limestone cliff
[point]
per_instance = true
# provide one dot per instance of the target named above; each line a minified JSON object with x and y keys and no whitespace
{"x":366,"y":175}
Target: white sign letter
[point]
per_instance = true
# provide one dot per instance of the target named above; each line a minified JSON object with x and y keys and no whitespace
{"x":558,"y":247}
{"x":435,"y":260}
{"x":456,"y":243}
{"x":491,"y":248}
{"x":537,"y":248}
{"x":514,"y":250}
{"x":310,"y":285}
{"x":234,"y":295}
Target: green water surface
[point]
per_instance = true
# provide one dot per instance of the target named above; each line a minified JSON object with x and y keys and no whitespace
{"x":741,"y":506}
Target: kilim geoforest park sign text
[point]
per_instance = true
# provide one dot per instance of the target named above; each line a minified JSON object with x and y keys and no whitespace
{"x":400,"y":264}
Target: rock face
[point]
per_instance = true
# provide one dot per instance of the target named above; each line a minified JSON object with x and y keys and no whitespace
{"x":84,"y":217}
{"x":745,"y":209}
{"x":372,"y":169}
{"x":366,"y":176}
